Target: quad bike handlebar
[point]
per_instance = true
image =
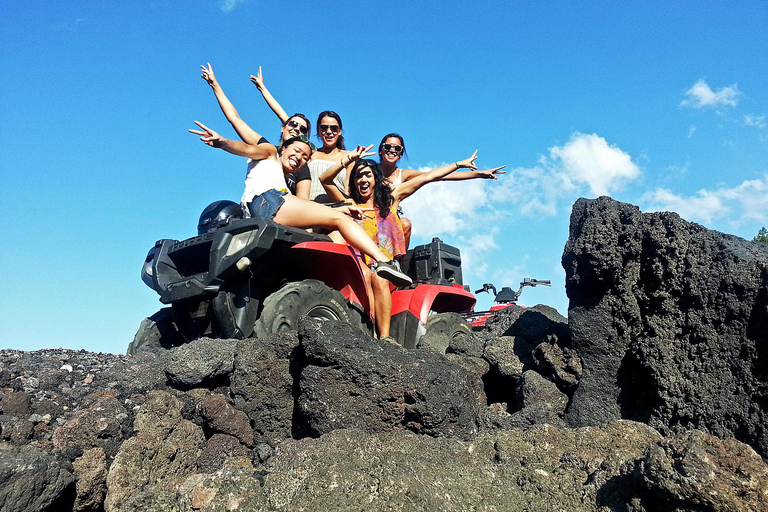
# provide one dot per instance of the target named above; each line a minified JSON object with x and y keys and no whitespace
{"x":507,"y":295}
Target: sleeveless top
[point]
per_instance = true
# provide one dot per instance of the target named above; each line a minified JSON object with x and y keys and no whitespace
{"x":396,"y":178}
{"x":387,"y":232}
{"x":316,"y":190}
{"x":263,"y":175}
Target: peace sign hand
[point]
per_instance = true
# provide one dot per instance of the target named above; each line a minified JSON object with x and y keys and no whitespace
{"x":258,"y":80}
{"x":209,"y":137}
{"x":469,"y":162}
{"x":490,"y":174}
{"x":207,"y":74}
{"x":362,"y":152}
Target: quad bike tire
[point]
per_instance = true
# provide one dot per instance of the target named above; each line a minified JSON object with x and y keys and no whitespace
{"x":283,"y":309}
{"x":156,"y":332}
{"x":442,"y":328}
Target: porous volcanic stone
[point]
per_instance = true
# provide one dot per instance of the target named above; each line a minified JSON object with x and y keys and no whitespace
{"x":91,"y":485}
{"x":696,"y":471}
{"x":670,"y":320}
{"x":163,"y":452}
{"x":262,"y":385}
{"x":202,"y":362}
{"x":32,"y":480}
{"x":101,"y":422}
{"x":352,"y":380}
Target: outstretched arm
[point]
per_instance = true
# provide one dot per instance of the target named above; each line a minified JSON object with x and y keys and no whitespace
{"x":488,"y":174}
{"x":328,"y":176}
{"x":245,"y":132}
{"x":236,"y":147}
{"x":413,"y":184}
{"x":258,"y":80}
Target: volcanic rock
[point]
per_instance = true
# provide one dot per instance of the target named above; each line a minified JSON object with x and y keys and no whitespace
{"x":670,"y":320}
{"x":353,"y":381}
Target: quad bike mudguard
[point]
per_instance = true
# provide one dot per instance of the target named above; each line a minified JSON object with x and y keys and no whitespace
{"x":338,"y":267}
{"x":411,"y":309}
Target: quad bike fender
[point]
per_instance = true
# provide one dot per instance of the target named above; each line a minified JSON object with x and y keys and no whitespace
{"x":411,"y":308}
{"x":422,"y":299}
{"x":338,"y":267}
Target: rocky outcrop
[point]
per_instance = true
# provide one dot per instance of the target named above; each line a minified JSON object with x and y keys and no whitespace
{"x":630,"y":405}
{"x":349,"y":382}
{"x":670,"y":320}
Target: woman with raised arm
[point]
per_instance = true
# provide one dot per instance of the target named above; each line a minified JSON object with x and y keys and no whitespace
{"x":329,"y":132}
{"x":392,"y":148}
{"x":266,"y":196}
{"x":368,"y":189}
{"x":298,"y":182}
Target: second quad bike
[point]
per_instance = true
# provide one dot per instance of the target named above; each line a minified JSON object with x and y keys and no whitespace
{"x":503,"y":299}
{"x":243,"y":277}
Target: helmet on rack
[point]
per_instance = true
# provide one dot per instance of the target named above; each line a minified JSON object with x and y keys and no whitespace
{"x":216,"y":214}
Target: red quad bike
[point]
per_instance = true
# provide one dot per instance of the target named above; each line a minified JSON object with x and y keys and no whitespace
{"x":505,"y":298}
{"x":244,"y":277}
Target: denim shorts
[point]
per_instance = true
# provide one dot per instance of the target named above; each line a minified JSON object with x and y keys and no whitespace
{"x":267,"y":204}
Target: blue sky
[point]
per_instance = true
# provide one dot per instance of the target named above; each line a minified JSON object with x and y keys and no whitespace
{"x":660,"y":104}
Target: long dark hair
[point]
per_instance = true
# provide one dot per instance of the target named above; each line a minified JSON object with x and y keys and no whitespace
{"x":337,"y":117}
{"x":396,"y":135}
{"x":382,"y":193}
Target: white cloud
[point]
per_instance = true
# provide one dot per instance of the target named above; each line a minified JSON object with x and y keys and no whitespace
{"x":691,"y":131}
{"x":445,"y":207}
{"x":469,"y":211}
{"x":743,"y":202}
{"x":229,"y":5}
{"x":753,"y":120}
{"x":474,"y":250}
{"x":701,"y":95}
{"x":589,"y":159}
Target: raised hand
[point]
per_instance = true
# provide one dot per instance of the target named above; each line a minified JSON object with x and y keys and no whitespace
{"x":208,"y":136}
{"x":490,"y":174}
{"x":469,"y":163}
{"x":207,"y":74}
{"x":357,"y":212}
{"x":258,"y":80}
{"x":362,"y":152}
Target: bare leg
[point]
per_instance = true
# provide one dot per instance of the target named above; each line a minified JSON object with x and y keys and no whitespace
{"x":300,"y":213}
{"x":382,"y":305}
{"x":406,"y":223}
{"x":336,"y":237}
{"x":368,"y":274}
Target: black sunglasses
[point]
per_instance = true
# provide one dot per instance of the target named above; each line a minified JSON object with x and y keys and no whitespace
{"x":397,"y":148}
{"x":295,"y":124}
{"x":325,"y":127}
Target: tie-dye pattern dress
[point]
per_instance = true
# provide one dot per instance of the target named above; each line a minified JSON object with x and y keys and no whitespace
{"x":387,"y":232}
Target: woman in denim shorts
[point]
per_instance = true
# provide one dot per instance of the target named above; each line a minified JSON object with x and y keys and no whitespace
{"x":266,"y":195}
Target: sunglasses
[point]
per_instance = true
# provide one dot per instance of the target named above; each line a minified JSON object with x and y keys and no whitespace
{"x":295,"y":124}
{"x":307,"y":141}
{"x":333,"y":127}
{"x":397,"y":148}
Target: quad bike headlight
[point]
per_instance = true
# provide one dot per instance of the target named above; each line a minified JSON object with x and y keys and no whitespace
{"x":147,"y":269}
{"x":239,"y":242}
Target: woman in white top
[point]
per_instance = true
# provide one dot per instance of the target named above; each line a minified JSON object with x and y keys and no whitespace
{"x":266,"y":196}
{"x":293,"y":126}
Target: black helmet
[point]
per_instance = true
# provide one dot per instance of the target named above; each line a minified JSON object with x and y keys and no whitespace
{"x":217,"y":212}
